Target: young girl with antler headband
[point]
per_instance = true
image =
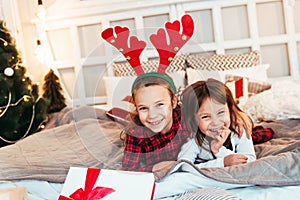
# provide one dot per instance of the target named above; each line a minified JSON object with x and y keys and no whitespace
{"x":158,"y":131}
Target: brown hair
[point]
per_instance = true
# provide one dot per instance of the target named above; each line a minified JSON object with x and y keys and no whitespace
{"x":193,"y":96}
{"x":147,"y":82}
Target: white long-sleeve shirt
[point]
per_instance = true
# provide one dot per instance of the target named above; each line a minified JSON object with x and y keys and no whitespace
{"x":191,"y":151}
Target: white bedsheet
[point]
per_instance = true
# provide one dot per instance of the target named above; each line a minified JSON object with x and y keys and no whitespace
{"x":43,"y":190}
{"x":36,"y":189}
{"x":268,"y":193}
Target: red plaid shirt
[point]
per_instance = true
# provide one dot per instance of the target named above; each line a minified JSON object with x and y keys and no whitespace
{"x":144,"y":148}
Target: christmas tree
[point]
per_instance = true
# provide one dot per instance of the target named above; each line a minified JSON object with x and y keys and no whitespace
{"x":22,"y":110}
{"x":53,"y":92}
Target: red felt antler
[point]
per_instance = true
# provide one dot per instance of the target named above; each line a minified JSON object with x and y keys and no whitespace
{"x":132,"y":53}
{"x":168,"y":51}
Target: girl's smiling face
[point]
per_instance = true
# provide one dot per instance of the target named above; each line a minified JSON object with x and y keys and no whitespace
{"x":155,"y":106}
{"x":212,"y":117}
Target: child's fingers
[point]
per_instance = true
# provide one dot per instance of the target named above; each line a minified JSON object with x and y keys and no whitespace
{"x":223,"y":134}
{"x":235,"y":159}
{"x":219,"y":138}
{"x":242,"y":158}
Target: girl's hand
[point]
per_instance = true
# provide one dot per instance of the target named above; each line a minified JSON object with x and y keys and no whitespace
{"x":219,"y":140}
{"x":235,"y":159}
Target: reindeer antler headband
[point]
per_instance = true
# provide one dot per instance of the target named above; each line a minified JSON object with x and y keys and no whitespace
{"x":166,"y":51}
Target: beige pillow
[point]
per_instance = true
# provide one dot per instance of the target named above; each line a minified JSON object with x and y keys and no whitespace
{"x":221,"y":62}
{"x":124,"y":69}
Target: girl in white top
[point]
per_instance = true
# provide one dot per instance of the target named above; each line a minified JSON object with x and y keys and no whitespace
{"x":210,"y":113}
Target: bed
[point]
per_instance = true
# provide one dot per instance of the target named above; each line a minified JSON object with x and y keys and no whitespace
{"x":89,"y":136}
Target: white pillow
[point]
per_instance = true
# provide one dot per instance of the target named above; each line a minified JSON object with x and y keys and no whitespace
{"x":178,"y":78}
{"x":117,"y":88}
{"x":194,"y":75}
{"x":258,"y":72}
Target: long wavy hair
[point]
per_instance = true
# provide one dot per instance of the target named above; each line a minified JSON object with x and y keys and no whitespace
{"x":193,"y":97}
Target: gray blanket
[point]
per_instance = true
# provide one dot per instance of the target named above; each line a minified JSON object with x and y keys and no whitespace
{"x":278,"y":162}
{"x":81,"y":137}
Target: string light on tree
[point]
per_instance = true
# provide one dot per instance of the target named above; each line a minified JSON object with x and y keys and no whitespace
{"x":25,"y":98}
{"x":4,"y":42}
{"x":22,"y":110}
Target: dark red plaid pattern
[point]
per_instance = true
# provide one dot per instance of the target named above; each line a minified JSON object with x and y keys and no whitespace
{"x":144,"y":148}
{"x":261,"y":134}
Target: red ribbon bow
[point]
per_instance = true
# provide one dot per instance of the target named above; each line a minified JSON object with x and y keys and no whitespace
{"x":89,"y":193}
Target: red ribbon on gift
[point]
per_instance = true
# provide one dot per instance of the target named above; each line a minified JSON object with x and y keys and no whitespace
{"x":89,"y":193}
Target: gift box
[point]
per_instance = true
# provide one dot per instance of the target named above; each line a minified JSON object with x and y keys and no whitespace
{"x":17,"y":193}
{"x":95,"y":183}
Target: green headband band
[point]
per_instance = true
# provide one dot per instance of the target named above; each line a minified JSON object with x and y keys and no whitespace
{"x":154,"y":74}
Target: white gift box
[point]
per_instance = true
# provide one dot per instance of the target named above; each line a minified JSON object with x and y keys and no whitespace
{"x":93,"y":183}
